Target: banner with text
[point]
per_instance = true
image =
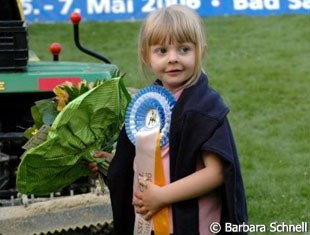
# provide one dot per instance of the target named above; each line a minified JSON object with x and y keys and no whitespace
{"x":116,"y":10}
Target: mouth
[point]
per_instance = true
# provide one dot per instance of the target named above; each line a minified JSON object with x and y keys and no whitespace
{"x":174,"y":71}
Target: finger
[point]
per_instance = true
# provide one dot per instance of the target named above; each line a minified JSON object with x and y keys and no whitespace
{"x":138,"y":195}
{"x":135,"y":202}
{"x":100,"y":154}
{"x":92,"y":165}
{"x":138,"y":203}
{"x":148,"y":215}
{"x":103,"y":154}
{"x":142,"y":210}
{"x":94,"y":170}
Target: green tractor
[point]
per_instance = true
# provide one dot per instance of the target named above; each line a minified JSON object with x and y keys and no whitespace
{"x":24,"y":80}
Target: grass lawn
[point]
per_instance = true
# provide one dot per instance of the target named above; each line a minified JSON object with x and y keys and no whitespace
{"x":261,"y":66}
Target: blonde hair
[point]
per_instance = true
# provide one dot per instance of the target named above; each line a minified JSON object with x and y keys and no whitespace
{"x":175,"y":23}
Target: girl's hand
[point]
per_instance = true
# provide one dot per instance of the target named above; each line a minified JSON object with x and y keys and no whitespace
{"x":92,"y":166}
{"x":149,"y":201}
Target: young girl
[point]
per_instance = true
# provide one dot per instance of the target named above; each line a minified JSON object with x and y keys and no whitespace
{"x":200,"y":161}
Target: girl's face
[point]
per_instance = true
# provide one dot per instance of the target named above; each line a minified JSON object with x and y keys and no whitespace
{"x":173,"y":64}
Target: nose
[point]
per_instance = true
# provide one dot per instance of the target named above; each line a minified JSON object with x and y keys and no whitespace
{"x":173,"y":57}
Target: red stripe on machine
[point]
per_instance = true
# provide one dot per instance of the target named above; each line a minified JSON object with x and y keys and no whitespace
{"x":48,"y":84}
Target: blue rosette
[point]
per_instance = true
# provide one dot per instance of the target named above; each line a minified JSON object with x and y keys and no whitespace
{"x":149,"y":108}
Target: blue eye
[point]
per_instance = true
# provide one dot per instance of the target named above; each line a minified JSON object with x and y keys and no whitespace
{"x":185,"y":49}
{"x":162,"y":50}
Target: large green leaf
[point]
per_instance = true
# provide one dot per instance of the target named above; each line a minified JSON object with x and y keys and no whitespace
{"x":88,"y":123}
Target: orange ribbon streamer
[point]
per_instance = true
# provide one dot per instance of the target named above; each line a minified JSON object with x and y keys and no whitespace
{"x":161,"y":218}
